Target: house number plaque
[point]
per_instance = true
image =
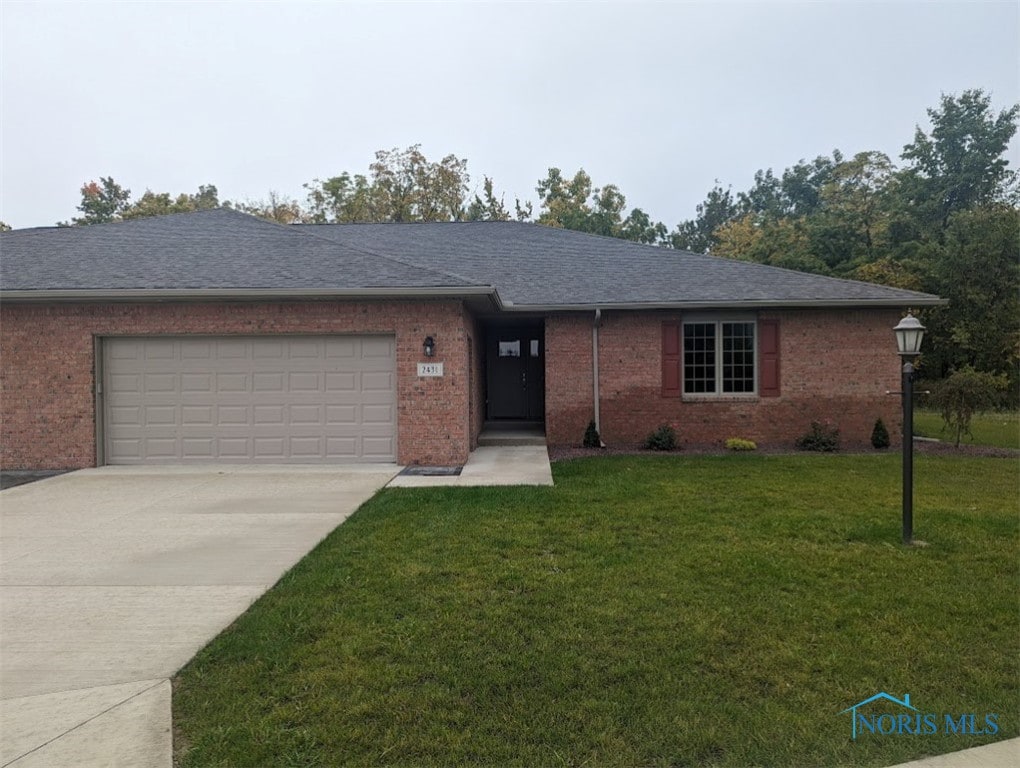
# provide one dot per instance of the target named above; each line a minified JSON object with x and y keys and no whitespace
{"x":430,"y":369}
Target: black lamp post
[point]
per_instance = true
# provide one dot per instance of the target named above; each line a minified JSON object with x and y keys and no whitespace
{"x":909,"y":333}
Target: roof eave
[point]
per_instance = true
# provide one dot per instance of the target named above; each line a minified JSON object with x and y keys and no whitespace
{"x":920,"y":301}
{"x":249,"y":294}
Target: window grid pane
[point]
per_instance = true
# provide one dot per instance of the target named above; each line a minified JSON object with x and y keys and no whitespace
{"x":699,"y":358}
{"x":738,"y":357}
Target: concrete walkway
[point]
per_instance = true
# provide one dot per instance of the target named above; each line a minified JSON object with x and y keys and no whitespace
{"x":1002,"y":754}
{"x":491,"y":465}
{"x":112,"y":579}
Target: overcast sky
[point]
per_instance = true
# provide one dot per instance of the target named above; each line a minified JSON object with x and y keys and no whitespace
{"x":660,"y":99}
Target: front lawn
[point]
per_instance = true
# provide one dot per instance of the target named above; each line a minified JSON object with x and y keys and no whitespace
{"x":998,"y":428}
{"x":653,"y":611}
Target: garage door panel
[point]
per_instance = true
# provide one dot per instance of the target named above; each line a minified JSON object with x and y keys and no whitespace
{"x":267,"y":414}
{"x":377,"y":447}
{"x":268,"y":382}
{"x":195,"y":349}
{"x":341,"y":382}
{"x":304,"y":381}
{"x":231,"y":382}
{"x":160,"y":416}
{"x":377,"y":414}
{"x":197,"y":416}
{"x":379,"y":381}
{"x":272,"y":399}
{"x":129,"y":447}
{"x":160,"y":382}
{"x":341,"y":414}
{"x":196,"y":447}
{"x":161,"y":448}
{"x":198,"y":383}
{"x":301,"y":415}
{"x":270,"y":349}
{"x":380,"y":348}
{"x":233,"y":448}
{"x":159,"y":349}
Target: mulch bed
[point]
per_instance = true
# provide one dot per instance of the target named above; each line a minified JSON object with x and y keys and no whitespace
{"x":929,"y":447}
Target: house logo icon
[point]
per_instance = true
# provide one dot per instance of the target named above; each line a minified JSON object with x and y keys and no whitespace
{"x":881,"y":695}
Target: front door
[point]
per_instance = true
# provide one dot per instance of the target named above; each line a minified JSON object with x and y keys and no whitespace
{"x":515,"y":373}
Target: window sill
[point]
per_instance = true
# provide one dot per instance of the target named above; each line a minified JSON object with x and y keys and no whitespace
{"x":729,"y":398}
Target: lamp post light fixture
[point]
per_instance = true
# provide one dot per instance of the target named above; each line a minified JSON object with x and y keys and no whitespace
{"x":909,"y":333}
{"x":429,"y":346}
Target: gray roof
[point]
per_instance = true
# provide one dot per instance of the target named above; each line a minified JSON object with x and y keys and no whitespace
{"x":520,"y":266}
{"x":218,"y":249}
{"x":533,"y":265}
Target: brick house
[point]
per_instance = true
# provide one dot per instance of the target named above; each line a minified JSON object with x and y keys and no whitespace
{"x":216,"y":336}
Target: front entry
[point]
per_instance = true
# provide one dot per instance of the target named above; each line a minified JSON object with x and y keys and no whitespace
{"x":515,"y":373}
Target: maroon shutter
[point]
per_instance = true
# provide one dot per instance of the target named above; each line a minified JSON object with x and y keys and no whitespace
{"x":768,"y":358}
{"x":671,"y":359}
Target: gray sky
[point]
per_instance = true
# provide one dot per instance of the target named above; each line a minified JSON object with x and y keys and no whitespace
{"x":660,"y":99}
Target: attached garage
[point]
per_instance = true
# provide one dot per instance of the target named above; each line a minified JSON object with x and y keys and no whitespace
{"x":248,"y":399}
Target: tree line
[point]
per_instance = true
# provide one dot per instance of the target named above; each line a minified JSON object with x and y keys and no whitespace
{"x":944,"y":220}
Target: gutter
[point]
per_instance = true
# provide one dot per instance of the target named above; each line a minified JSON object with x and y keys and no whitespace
{"x":242,"y":294}
{"x":920,"y":301}
{"x":595,"y":372}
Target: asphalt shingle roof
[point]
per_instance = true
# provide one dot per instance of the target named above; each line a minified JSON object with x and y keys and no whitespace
{"x":219,"y":249}
{"x":532,"y":264}
{"x":528,"y":265}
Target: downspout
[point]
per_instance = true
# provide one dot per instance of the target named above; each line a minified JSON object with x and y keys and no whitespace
{"x":595,"y":371}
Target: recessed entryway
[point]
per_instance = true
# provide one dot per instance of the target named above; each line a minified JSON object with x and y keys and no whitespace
{"x":515,"y":372}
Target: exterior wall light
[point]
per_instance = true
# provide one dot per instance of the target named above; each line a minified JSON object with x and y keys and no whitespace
{"x":909,"y":333}
{"x":429,"y":345}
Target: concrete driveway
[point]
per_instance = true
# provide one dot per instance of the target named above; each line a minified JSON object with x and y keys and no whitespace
{"x":111,"y":579}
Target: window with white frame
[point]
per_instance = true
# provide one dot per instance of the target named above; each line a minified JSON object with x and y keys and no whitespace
{"x":718,"y":357}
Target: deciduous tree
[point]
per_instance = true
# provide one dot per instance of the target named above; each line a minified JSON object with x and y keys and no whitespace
{"x":578,"y":205}
{"x":101,"y":202}
{"x":962,"y":161}
{"x":487,"y":207}
{"x":161,"y":204}
{"x":276,"y":207}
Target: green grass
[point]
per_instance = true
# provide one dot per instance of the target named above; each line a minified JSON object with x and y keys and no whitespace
{"x":999,"y":429}
{"x":653,"y":611}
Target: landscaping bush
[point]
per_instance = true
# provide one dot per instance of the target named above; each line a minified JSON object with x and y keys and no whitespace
{"x":662,"y":439}
{"x":740,"y":444}
{"x":965,"y":393}
{"x":591,"y":436}
{"x":821,"y":437}
{"x":879,"y":435}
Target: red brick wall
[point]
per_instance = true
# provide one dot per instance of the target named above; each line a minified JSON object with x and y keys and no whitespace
{"x":476,"y":347}
{"x":836,"y":366}
{"x":568,"y":382}
{"x":47,"y":368}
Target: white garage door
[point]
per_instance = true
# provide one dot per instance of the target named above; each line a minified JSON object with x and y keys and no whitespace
{"x":271,"y":399}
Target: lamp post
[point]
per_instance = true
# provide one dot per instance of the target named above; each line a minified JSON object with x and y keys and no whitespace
{"x":909,"y":333}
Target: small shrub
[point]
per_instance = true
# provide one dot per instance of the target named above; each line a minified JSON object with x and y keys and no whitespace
{"x":879,"y":435}
{"x":662,"y":439}
{"x":965,"y":393}
{"x":591,"y":436}
{"x":740,"y":444}
{"x":821,"y":437}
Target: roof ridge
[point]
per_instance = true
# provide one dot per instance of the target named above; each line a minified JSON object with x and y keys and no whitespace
{"x":134,"y":220}
{"x":356,"y":249}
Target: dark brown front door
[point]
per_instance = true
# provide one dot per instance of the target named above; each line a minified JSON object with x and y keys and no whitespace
{"x":515,"y":373}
